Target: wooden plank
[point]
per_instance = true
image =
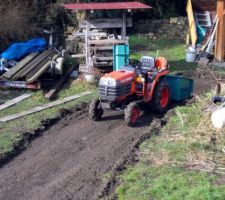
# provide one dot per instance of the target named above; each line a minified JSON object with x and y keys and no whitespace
{"x":19,"y":84}
{"x":14,"y":101}
{"x":46,"y":106}
{"x":192,"y":26}
{"x":103,"y":48}
{"x":102,"y":42}
{"x":102,"y":23}
{"x":20,"y":65}
{"x":57,"y":86}
{"x":31,"y":65}
{"x":33,"y":75}
{"x":220,"y":37}
{"x":78,"y":55}
{"x":79,"y":34}
{"x":102,"y":58}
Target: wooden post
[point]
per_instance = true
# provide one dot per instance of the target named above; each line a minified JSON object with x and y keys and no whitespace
{"x":87,"y":39}
{"x":87,"y":46}
{"x":220,"y":38}
{"x":124,"y":27}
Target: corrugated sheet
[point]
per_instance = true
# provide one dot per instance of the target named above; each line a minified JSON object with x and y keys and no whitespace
{"x":106,"y":6}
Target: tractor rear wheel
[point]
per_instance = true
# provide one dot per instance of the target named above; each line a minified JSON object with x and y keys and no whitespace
{"x":132,"y":113}
{"x":161,"y":98}
{"x":95,"y":110}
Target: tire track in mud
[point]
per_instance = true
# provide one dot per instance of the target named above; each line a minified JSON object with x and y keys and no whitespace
{"x":70,"y":159}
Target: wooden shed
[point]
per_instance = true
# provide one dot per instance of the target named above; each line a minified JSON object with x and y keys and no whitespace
{"x":103,"y":23}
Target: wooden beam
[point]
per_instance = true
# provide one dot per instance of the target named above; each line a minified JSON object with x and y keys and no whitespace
{"x":124,"y":25}
{"x":104,"y":42}
{"x":78,"y":56}
{"x":14,"y":101}
{"x":58,"y":85}
{"x":192,"y":26}
{"x":105,"y":23}
{"x":220,"y":37}
{"x":46,"y":106}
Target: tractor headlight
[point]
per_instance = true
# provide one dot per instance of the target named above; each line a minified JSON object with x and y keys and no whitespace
{"x":112,"y":83}
{"x":140,"y":79}
{"x":108,"y":82}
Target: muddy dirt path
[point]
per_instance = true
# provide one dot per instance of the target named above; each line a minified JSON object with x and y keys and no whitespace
{"x":69,"y":160}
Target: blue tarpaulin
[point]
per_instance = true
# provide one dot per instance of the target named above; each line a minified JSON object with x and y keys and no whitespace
{"x":18,"y":50}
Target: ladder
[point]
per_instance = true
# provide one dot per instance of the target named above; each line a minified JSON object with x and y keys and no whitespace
{"x":203,"y":19}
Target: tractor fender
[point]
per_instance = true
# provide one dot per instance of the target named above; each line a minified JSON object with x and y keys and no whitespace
{"x":150,"y":91}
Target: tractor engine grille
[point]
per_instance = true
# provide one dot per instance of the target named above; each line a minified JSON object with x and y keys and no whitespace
{"x":110,"y":93}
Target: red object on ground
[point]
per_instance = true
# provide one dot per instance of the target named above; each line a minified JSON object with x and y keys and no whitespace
{"x":107,"y":6}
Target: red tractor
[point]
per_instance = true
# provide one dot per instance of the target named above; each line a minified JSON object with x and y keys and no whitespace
{"x":132,"y":87}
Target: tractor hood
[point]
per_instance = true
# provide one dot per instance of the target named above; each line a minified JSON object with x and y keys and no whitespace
{"x":117,"y":78}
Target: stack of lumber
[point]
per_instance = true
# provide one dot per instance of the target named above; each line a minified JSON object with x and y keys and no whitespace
{"x":31,"y":67}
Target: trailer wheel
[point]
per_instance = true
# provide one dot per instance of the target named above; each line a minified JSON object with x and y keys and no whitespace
{"x":95,"y":110}
{"x":161,"y":99}
{"x":132,"y":113}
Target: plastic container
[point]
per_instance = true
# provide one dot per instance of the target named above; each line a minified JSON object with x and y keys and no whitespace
{"x":190,"y":54}
{"x":90,"y":77}
{"x":218,"y":118}
{"x":180,"y":88}
{"x":120,"y":56}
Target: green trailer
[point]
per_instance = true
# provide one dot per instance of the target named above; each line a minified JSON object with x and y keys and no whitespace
{"x":181,"y":88}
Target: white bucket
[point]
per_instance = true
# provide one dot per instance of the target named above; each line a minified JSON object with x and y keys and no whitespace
{"x":90,"y":77}
{"x":218,"y":118}
{"x":190,"y":56}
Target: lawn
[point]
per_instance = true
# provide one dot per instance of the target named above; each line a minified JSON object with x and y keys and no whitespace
{"x":172,"y":50}
{"x":177,"y":162}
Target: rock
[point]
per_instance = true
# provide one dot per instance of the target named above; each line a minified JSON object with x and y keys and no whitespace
{"x":173,"y":20}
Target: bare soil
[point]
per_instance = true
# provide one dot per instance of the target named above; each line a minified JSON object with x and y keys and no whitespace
{"x":69,"y":160}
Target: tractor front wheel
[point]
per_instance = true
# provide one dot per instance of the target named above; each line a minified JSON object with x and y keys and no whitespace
{"x":161,"y":98}
{"x":95,"y":110}
{"x":132,"y":113}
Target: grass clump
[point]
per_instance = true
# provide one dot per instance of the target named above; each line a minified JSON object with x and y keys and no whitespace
{"x":12,"y":131}
{"x":168,"y":183}
{"x":7,"y":142}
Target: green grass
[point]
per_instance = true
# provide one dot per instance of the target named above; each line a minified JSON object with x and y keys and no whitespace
{"x":162,"y":172}
{"x":168,"y":183}
{"x":7,"y":141}
{"x":10,"y":132}
{"x":172,"y":50}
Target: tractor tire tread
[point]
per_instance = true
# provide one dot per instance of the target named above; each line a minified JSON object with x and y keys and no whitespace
{"x":155,"y":103}
{"x":94,"y":113}
{"x":128,"y":113}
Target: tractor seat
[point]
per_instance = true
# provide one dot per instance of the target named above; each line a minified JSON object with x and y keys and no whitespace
{"x":147,"y":63}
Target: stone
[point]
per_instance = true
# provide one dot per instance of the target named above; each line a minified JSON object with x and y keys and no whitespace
{"x":173,"y":20}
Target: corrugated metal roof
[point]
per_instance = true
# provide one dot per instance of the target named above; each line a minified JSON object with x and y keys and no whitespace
{"x":107,"y":6}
